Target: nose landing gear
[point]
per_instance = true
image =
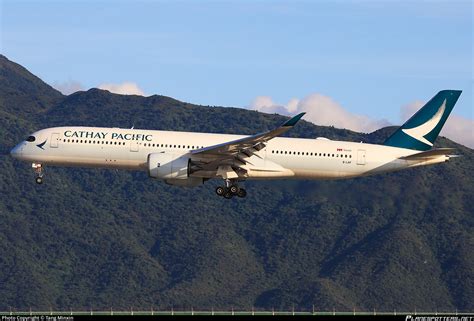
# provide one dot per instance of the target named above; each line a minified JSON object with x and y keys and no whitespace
{"x":38,"y":173}
{"x":230,"y":190}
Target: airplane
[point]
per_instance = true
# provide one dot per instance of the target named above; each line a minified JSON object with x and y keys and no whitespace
{"x":191,"y":158}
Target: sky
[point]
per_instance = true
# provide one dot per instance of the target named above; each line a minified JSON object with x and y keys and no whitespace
{"x":359,"y":65}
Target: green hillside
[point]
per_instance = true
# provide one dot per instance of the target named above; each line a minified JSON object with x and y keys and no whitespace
{"x":92,"y":238}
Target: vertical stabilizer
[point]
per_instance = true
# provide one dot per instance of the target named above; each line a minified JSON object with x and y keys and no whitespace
{"x":421,"y":130}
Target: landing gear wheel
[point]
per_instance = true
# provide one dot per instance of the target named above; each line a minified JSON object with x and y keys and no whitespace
{"x":220,"y":190}
{"x":230,"y":189}
{"x":242,"y":193}
{"x":38,"y":172}
{"x":234,"y":189}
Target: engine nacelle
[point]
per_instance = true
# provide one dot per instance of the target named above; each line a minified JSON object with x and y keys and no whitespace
{"x":168,"y":166}
{"x":173,"y":168}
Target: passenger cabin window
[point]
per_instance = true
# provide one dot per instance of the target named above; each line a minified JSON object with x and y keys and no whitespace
{"x":31,"y":139}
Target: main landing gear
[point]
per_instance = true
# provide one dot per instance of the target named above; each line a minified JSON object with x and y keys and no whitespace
{"x":230,"y":190}
{"x":38,"y":173}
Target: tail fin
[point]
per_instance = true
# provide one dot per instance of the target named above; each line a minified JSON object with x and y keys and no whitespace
{"x":421,"y":130}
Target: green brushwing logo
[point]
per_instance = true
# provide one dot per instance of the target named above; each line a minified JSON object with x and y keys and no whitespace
{"x":419,"y":132}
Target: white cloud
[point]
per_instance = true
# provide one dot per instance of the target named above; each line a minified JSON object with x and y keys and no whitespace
{"x":265,"y":104}
{"x":68,"y":87}
{"x":125,"y":88}
{"x":409,"y":110}
{"x":323,"y":110}
{"x":320,"y":110}
{"x":460,"y":130}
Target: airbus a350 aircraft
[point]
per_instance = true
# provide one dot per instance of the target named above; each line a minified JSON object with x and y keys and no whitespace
{"x":189,"y":159}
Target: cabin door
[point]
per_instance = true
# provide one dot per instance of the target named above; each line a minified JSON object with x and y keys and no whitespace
{"x":54,"y":140}
{"x":360,"y":157}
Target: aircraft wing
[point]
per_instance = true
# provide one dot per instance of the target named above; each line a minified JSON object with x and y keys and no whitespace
{"x":256,"y":141}
{"x":237,"y":151}
{"x":429,"y":154}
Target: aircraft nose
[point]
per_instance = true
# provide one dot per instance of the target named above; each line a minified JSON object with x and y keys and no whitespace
{"x":16,"y":151}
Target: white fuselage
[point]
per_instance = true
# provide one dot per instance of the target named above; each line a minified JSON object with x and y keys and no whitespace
{"x":281,"y":158}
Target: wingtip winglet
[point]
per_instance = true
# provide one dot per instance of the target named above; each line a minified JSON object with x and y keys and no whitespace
{"x":293,"y":120}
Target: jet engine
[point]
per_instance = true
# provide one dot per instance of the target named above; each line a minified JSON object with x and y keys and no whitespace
{"x":172,"y":168}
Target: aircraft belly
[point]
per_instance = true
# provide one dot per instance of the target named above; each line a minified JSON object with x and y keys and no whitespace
{"x":92,"y":162}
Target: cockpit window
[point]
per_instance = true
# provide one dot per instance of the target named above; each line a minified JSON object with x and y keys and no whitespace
{"x":31,"y":139}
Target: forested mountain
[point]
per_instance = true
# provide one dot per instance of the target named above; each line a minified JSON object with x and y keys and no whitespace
{"x":96,"y":238}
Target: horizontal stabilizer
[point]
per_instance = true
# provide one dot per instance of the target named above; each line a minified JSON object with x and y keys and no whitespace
{"x":429,"y":154}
